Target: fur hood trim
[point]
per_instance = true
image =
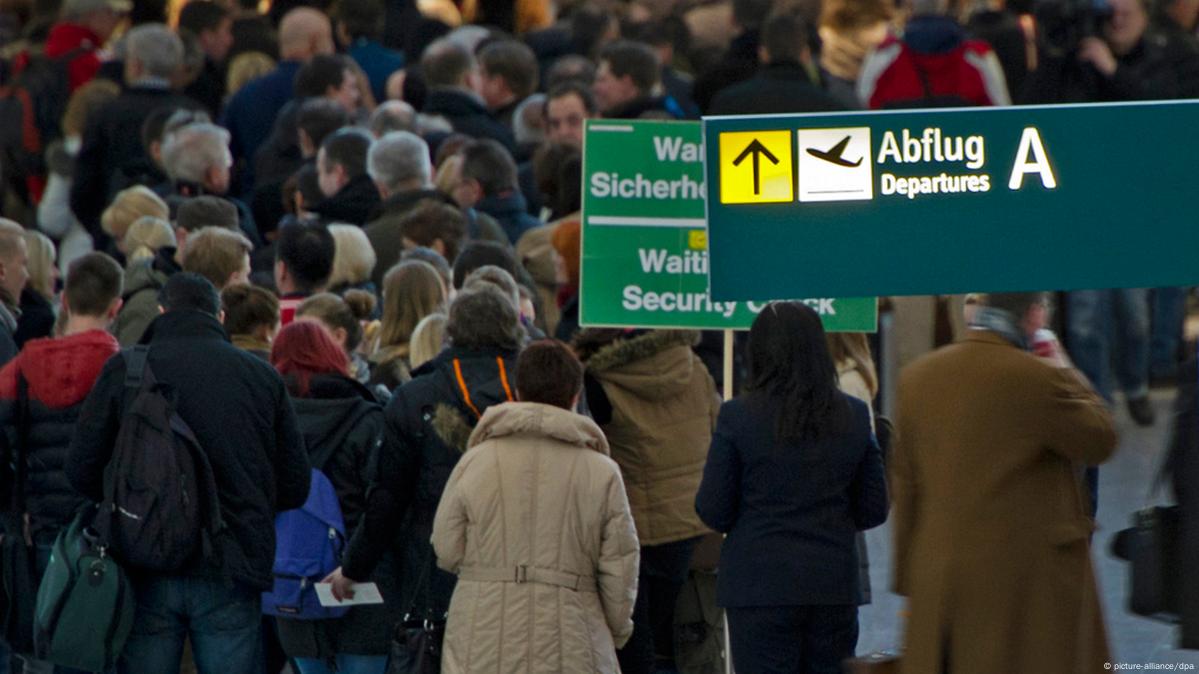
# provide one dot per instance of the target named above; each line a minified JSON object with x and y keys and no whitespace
{"x":514,"y":421}
{"x":622,"y":351}
{"x":451,"y":427}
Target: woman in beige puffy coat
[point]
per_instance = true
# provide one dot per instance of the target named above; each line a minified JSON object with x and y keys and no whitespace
{"x":535,"y":522}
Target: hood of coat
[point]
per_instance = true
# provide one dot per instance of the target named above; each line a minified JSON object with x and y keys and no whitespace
{"x":150,"y":273}
{"x":651,"y":365}
{"x":333,"y":408}
{"x":518,"y":421}
{"x":61,"y":371}
{"x":484,"y":378}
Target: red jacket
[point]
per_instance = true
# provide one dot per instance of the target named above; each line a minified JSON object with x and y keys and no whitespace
{"x":895,"y":73}
{"x":60,"y":371}
{"x":66,"y":37}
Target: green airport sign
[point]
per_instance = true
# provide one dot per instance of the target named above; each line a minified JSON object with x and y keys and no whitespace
{"x":951,"y":201}
{"x":645,"y":246}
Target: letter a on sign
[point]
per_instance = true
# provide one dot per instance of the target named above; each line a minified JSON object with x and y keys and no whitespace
{"x":1030,"y":144}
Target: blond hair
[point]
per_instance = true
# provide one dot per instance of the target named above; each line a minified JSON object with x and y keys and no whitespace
{"x":146,"y":236}
{"x":40,"y":263}
{"x":853,"y":347}
{"x":411,"y":290}
{"x":427,"y":339}
{"x":129,"y":205}
{"x":245,"y":67}
{"x":353,"y":259}
{"x":216,"y":254}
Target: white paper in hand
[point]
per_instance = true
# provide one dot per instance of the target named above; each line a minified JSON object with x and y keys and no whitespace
{"x":364,"y":593}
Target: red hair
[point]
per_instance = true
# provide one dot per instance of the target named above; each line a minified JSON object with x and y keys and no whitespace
{"x":303,"y":349}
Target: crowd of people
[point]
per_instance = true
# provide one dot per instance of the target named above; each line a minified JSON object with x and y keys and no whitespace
{"x":349,"y":235}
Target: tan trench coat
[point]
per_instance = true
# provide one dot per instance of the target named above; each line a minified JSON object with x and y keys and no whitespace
{"x":535,"y":522}
{"x":992,"y":534}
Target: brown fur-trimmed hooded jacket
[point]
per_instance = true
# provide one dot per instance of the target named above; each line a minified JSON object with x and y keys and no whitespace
{"x":663,"y":409}
{"x":427,"y":425}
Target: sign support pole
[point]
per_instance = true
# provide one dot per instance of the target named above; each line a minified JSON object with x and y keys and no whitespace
{"x":728,"y":395}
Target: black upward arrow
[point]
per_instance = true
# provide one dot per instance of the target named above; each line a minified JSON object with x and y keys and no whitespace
{"x":756,"y":149}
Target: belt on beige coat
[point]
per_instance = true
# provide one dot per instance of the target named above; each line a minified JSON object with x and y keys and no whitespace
{"x":528,"y":574}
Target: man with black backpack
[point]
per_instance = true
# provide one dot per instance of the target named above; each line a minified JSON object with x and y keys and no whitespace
{"x":233,"y":433}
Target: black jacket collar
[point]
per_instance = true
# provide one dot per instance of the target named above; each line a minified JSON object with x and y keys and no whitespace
{"x":184,"y":324}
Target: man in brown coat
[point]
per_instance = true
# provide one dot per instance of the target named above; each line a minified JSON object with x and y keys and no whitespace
{"x":992,"y":537}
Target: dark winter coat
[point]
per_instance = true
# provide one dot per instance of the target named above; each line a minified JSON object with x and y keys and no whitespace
{"x":37,"y":317}
{"x":341,"y":416}
{"x":428,"y":423}
{"x":143,"y":280}
{"x":791,"y":512}
{"x":1162,"y":66}
{"x":738,"y":64}
{"x":777,"y":88}
{"x":241,"y":414}
{"x":59,"y":373}
{"x":468,"y":115}
{"x":1184,"y":472}
{"x":208,"y":89}
{"x":250,"y":114}
{"x":112,"y":158}
{"x":511,"y":211}
{"x":8,"y":328}
{"x":352,"y":204}
{"x":279,"y":156}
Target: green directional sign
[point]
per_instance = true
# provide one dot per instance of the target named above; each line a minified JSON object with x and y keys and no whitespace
{"x":645,"y":248}
{"x":951,"y":201}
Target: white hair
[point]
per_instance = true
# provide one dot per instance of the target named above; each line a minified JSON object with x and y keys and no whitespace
{"x":159,"y":50}
{"x":190,"y":151}
{"x":523,"y":129}
{"x":392,"y":116}
{"x":399,"y":157}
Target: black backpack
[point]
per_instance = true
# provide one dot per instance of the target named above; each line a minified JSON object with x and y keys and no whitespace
{"x":32,"y":105}
{"x":160,"y":502}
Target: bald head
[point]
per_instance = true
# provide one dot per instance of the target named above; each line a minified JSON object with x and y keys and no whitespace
{"x":304,"y":33}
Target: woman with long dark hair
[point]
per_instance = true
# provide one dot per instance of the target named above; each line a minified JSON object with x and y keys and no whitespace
{"x":793,"y":473}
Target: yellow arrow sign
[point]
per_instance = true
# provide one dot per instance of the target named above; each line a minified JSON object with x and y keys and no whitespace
{"x":755,"y":167}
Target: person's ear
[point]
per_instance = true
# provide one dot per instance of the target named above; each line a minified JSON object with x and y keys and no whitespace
{"x":439,"y":246}
{"x":220,"y":316}
{"x":114,"y":307}
{"x":161,"y":310}
{"x":763,"y":54}
{"x":66,"y":304}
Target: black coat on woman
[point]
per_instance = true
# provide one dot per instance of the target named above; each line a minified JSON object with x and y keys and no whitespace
{"x":791,"y":512}
{"x":340,"y":419}
{"x":428,"y":423}
{"x":1184,"y":472}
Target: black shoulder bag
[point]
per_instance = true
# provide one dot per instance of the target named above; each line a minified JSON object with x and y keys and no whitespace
{"x":18,"y":556}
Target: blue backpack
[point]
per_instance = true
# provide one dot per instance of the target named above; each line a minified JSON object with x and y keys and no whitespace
{"x":309,"y":544}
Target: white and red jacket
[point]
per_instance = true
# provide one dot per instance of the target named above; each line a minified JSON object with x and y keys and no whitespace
{"x":933,"y":66}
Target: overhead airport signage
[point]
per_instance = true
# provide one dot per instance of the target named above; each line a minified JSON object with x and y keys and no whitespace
{"x":645,"y":244}
{"x":951,"y":201}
